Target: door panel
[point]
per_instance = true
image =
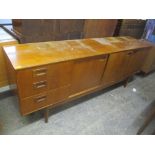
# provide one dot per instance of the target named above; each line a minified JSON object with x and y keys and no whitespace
{"x":122,"y":65}
{"x":59,"y":74}
{"x":114,"y":71}
{"x":149,"y":64}
{"x":135,"y":61}
{"x":87,"y":73}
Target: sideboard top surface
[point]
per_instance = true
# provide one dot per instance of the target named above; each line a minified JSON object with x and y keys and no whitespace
{"x":29,"y":55}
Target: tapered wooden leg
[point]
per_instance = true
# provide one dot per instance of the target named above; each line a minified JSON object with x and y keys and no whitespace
{"x":46,"y":115}
{"x":126,"y":81}
{"x":146,"y":122}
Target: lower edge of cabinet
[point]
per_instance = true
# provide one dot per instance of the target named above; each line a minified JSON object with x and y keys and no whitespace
{"x":74,"y":97}
{"x":148,"y":71}
{"x":84,"y":92}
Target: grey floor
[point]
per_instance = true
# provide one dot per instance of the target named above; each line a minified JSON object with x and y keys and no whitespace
{"x":114,"y":111}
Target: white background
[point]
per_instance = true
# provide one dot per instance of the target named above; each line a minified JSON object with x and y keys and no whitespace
{"x":77,"y":145}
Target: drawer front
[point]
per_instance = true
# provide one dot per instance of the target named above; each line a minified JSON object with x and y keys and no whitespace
{"x":37,"y":80}
{"x":37,"y":102}
{"x":39,"y":73}
{"x":33,"y":103}
{"x":32,"y":81}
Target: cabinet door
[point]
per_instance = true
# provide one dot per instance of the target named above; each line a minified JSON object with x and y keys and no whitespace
{"x":135,"y":61}
{"x":123,"y":64}
{"x":59,"y":75}
{"x":149,"y":63}
{"x":114,"y":71}
{"x":87,"y":74}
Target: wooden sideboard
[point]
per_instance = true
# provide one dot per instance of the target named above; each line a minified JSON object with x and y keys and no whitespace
{"x":5,"y":39}
{"x":48,"y":74}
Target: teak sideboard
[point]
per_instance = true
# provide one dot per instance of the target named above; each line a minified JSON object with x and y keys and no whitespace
{"x":48,"y":74}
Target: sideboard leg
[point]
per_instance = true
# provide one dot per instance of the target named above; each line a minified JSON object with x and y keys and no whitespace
{"x":46,"y":115}
{"x":126,"y":82}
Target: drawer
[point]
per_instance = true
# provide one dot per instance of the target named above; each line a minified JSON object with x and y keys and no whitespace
{"x":37,"y":102}
{"x":39,"y":79}
{"x":32,"y":74}
{"x":32,"y":81}
{"x":32,"y":88}
{"x":39,"y":73}
{"x":34,"y":103}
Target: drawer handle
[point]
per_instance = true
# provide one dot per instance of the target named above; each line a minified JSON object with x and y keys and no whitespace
{"x":40,"y":84}
{"x":40,"y":72}
{"x":40,"y":99}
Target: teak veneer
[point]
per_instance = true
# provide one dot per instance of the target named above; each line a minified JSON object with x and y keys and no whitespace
{"x":48,"y":74}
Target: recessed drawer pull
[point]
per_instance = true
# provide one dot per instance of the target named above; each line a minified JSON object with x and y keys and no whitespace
{"x":40,"y":84}
{"x":40,"y":72}
{"x":40,"y":99}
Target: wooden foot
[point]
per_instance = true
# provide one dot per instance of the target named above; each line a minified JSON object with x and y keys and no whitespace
{"x":46,"y":115}
{"x":146,"y":122}
{"x":126,"y":81}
